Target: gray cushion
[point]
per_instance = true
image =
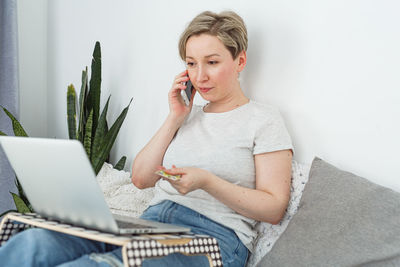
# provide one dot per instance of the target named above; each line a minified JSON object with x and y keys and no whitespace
{"x":343,"y":220}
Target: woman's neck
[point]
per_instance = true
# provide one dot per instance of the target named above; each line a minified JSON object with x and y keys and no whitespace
{"x":227,"y":104}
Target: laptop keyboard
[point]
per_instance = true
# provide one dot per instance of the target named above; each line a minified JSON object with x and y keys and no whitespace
{"x":130,"y":225}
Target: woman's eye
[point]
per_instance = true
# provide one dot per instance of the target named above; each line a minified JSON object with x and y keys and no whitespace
{"x":190,"y":64}
{"x":212,"y":62}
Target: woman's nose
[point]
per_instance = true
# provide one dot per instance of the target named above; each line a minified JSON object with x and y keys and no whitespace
{"x":201,"y":74}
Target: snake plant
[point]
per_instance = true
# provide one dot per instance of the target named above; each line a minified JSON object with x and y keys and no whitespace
{"x":91,"y":127}
{"x":21,"y":201}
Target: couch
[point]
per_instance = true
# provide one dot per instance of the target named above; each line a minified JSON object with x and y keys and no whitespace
{"x":334,"y":218}
{"x":342,"y":220}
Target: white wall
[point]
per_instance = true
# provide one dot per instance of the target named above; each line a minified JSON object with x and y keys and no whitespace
{"x":332,"y":68}
{"x":32,"y":38}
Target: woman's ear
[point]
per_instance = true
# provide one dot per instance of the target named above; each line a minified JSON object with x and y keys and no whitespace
{"x":242,"y":59}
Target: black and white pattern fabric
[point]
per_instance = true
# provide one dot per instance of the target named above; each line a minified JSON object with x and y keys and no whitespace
{"x":10,"y":228}
{"x":140,"y":248}
{"x":136,"y":247}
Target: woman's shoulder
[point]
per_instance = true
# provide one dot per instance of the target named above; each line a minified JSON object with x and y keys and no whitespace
{"x":263,"y":109}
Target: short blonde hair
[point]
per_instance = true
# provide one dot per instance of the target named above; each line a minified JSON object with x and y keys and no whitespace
{"x":227,"y":26}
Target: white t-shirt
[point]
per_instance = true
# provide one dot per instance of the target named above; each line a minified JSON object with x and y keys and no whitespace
{"x":224,"y":144}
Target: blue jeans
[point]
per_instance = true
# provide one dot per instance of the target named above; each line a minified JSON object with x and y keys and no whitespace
{"x":40,"y":247}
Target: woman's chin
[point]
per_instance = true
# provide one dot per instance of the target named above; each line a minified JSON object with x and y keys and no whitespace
{"x":206,"y":97}
{"x":209,"y":99}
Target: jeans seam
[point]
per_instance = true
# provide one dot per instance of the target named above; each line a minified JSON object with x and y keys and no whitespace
{"x":237,"y":248}
{"x":163,"y":214}
{"x":171,"y":211}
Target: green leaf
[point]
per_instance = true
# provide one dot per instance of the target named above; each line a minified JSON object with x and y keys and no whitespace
{"x":1,"y":133}
{"x":121,"y":164}
{"x":20,"y":204}
{"x":87,"y":143}
{"x":95,"y":84}
{"x":109,"y":140}
{"x":21,"y":193}
{"x":82,"y":102}
{"x":17,"y":127}
{"x":101,"y":131}
{"x":71,"y":112}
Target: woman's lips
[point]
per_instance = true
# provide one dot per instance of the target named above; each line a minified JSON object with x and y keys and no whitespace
{"x":205,"y":89}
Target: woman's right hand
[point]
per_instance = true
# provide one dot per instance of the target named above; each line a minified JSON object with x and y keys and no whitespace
{"x":177,"y":106}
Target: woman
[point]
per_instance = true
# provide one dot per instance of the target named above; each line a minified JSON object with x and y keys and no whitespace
{"x":234,"y":157}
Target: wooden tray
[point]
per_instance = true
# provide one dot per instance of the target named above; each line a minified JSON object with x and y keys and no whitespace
{"x":135,"y":248}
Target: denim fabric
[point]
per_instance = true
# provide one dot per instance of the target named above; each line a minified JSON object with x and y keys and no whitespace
{"x":40,"y":247}
{"x":233,"y":252}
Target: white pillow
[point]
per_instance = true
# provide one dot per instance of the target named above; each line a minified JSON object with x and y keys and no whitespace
{"x":126,"y":199}
{"x":122,"y":196}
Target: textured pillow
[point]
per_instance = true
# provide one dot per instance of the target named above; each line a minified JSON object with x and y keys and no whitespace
{"x":121,"y":195}
{"x":343,"y":220}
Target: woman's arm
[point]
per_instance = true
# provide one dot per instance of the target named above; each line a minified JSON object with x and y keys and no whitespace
{"x":266,"y":203}
{"x":151,"y":156}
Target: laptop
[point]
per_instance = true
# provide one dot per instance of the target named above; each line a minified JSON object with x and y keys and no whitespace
{"x":60,"y":183}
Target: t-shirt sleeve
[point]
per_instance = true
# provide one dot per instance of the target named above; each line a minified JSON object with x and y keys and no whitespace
{"x":271,"y":133}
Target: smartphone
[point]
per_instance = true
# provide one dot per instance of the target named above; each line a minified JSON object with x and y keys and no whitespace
{"x":187,"y":93}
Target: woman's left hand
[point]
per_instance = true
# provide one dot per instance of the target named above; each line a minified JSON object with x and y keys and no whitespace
{"x":191,"y":178}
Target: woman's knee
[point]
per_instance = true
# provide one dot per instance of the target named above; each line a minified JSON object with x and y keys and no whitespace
{"x":36,"y":234}
{"x":28,"y":248}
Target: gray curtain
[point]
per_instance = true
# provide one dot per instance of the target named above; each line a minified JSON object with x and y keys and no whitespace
{"x":9,"y":97}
